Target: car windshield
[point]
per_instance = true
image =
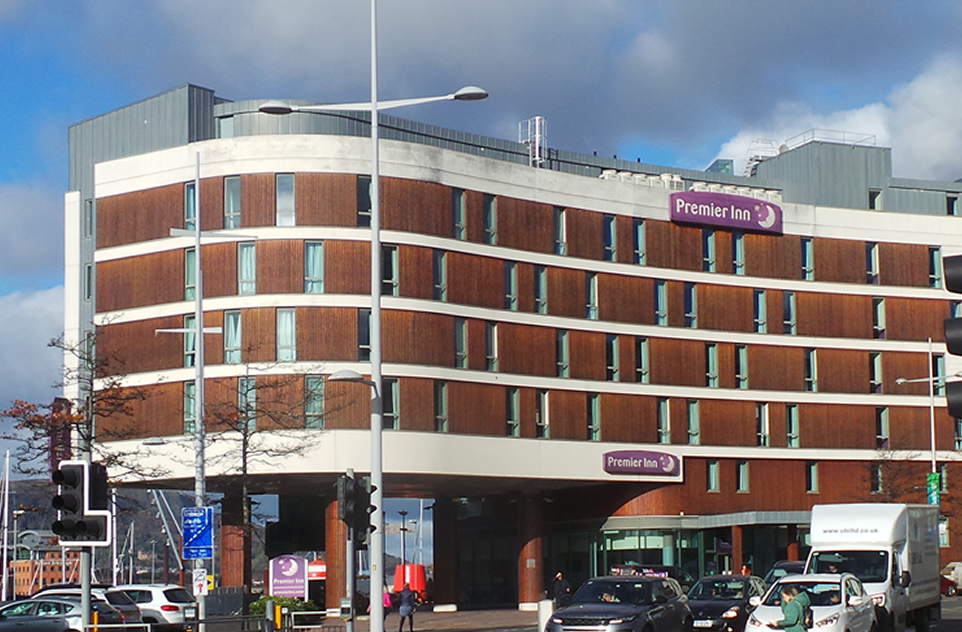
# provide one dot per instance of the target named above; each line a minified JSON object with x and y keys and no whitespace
{"x":820,"y":593}
{"x":868,"y":566}
{"x":625,"y":592}
{"x":718,"y":589}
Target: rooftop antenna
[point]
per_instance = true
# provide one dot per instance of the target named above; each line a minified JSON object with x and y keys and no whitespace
{"x":534,"y":134}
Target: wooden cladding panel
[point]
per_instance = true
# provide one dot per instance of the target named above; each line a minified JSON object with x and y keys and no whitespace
{"x":474,"y":280}
{"x":138,"y":281}
{"x":525,"y":225}
{"x":280,"y":266}
{"x":260,"y":326}
{"x":416,"y":272}
{"x":726,"y":365}
{"x":258,"y":200}
{"x":326,"y":199}
{"x":585,"y":236}
{"x":677,"y":362}
{"x":903,"y":264}
{"x":673,"y":246}
{"x":160,"y":413}
{"x":568,"y":415}
{"x":347,"y":405}
{"x":417,"y":404}
{"x":624,"y":239}
{"x":909,"y":428}
{"x":476,"y":339}
{"x":676,"y":303}
{"x":525,"y":349}
{"x":566,"y":292}
{"x":914,"y":319}
{"x":776,"y":368}
{"x":727,"y":422}
{"x":417,"y":207}
{"x":525,"y":287}
{"x":724,"y":261}
{"x":418,"y":338}
{"x":476,"y":409}
{"x":896,"y":364}
{"x":219,"y":262}
{"x":842,"y":371}
{"x":139,"y":216}
{"x":625,"y":299}
{"x":328,"y":334}
{"x":821,"y":426}
{"x":212,"y":203}
{"x":587,"y":355}
{"x":839,"y":260}
{"x":627,"y":358}
{"x":473,"y":215}
{"x":773,"y":257}
{"x":347,"y":267}
{"x":628,"y":419}
{"x":725,"y":308}
{"x":155,"y":351}
{"x":835,"y":315}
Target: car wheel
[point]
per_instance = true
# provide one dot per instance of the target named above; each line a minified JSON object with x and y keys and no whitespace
{"x":951,"y":591}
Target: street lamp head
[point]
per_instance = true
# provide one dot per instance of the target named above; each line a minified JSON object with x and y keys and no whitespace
{"x":276,"y":107}
{"x":900,"y":381}
{"x":470,"y":93}
{"x":345,"y":375}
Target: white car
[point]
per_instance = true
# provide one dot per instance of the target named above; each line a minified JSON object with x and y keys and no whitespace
{"x":839,"y":603}
{"x":168,"y":605}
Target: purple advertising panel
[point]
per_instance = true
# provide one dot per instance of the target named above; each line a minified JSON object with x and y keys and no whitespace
{"x":288,"y":577}
{"x":722,"y":209}
{"x":642,"y":462}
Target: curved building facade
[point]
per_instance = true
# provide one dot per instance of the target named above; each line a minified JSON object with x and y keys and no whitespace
{"x":587,"y":362}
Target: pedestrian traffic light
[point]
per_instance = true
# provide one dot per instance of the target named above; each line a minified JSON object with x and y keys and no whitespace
{"x":952,"y":270}
{"x":81,"y":503}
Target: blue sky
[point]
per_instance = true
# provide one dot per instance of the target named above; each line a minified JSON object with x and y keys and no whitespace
{"x":677,"y":82}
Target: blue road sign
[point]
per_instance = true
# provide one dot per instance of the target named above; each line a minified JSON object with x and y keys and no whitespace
{"x":198,"y":526}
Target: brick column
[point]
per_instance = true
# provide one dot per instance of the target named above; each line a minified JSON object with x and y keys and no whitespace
{"x":335,"y":548}
{"x":231,"y":542}
{"x":530,"y":560}
{"x":738,"y":557}
{"x":445,"y":588}
{"x":792,"y":553}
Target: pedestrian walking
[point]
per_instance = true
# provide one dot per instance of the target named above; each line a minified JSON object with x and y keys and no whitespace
{"x":560,"y":590}
{"x":406,"y":608}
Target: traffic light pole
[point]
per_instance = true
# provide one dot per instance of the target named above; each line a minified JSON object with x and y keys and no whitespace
{"x":351,"y":573}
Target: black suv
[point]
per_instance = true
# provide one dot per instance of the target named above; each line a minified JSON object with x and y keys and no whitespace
{"x":629,"y":603}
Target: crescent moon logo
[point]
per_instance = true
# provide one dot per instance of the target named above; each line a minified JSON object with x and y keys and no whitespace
{"x":769,"y":219}
{"x":291,"y":568}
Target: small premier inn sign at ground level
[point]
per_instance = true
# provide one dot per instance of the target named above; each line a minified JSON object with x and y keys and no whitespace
{"x":644,"y":462}
{"x":730,"y":211}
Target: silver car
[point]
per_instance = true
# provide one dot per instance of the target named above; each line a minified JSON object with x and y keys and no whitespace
{"x":839,"y":603}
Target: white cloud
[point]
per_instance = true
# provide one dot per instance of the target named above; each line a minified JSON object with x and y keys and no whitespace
{"x":30,"y":367}
{"x":31,"y":231}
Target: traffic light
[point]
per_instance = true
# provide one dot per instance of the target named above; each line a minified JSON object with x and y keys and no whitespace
{"x":952,"y":269}
{"x":362,"y":509}
{"x":81,"y":503}
{"x":346,"y":497}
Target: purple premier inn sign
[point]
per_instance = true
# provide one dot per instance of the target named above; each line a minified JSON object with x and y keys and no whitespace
{"x":642,"y":462}
{"x":723,"y":209}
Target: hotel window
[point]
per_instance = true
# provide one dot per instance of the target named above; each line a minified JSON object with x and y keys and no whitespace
{"x":511,"y":414}
{"x":792,"y":436}
{"x":542,"y":428}
{"x":738,"y":253}
{"x":661,"y":303}
{"x":610,"y":238}
{"x":935,"y":267}
{"x":88,"y":281}
{"x":712,"y":476}
{"x":511,"y":285}
{"x":871,"y":263}
{"x":560,"y":231}
{"x":490,"y":346}
{"x":642,"y":367}
{"x":694,"y":422}
{"x":639,"y":245}
{"x":286,"y":335}
{"x":88,"y":218}
{"x":363,"y":335}
{"x":314,"y":401}
{"x":190,"y":274}
{"x":789,"y":324}
{"x":389,"y":271}
{"x":951,"y":204}
{"x":875,"y":478}
{"x":741,"y":366}
{"x":878,"y":318}
{"x":458,"y":216}
{"x":882,"y":427}
{"x":938,"y":373}
{"x":711,"y":365}
{"x":561,"y":353}
{"x":247,"y":403}
{"x":811,"y":371}
{"x":875,"y":199}
{"x":246,"y":268}
{"x":285,"y":200}
{"x":460,"y":343}
{"x":364,"y":201}
{"x":691,"y":306}
{"x":225,"y":127}
{"x":741,"y":476}
{"x":761,"y":311}
{"x":612,"y":371}
{"x":190,"y":407}
{"x":391,"y":402}
{"x":489,"y":218}
{"x":439,"y":274}
{"x":190,"y":341}
{"x":190,"y":207}
{"x":594,"y":417}
{"x":664,"y":420}
{"x":232,"y":202}
{"x":233,"y":337}
{"x":591,"y":295}
{"x":708,"y":249}
{"x":314,"y":267}
{"x":808,"y":259}
{"x":958,"y":433}
{"x":875,"y":372}
{"x":540,"y":290}
{"x":811,"y":477}
{"x":955,"y":309}
{"x":762,"y":425}
{"x":440,"y":406}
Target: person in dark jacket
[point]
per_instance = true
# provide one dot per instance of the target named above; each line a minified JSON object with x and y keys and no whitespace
{"x":406,"y":607}
{"x":560,"y":590}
